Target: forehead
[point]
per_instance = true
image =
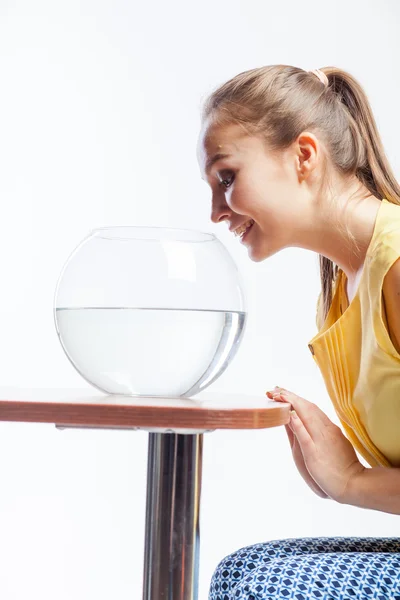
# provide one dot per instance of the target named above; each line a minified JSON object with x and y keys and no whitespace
{"x":218,"y":139}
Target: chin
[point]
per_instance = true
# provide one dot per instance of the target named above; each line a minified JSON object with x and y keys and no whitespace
{"x":259,"y":254}
{"x":256,"y":256}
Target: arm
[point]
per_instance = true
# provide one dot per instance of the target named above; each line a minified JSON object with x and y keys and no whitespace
{"x":331,"y":460}
{"x":377,"y":488}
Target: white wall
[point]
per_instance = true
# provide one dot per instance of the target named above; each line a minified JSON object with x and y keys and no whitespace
{"x":99,"y":118}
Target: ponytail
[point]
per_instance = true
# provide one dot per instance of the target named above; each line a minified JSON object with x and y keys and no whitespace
{"x":369,"y":164}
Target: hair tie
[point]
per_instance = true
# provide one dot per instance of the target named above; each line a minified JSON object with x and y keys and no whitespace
{"x":321,"y":76}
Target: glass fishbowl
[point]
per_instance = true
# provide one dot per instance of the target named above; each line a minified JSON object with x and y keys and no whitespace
{"x":150,"y":311}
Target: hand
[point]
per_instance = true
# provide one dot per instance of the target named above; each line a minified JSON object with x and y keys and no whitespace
{"x":328,"y":456}
{"x":300,"y":464}
{"x":299,"y":459}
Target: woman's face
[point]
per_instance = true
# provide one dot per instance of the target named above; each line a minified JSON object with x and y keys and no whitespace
{"x":252,"y":183}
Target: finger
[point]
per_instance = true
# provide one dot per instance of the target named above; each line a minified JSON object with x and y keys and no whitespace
{"x":291,"y":436}
{"x":313,"y":418}
{"x":277,"y":396}
{"x":304,"y":438}
{"x":279,"y":393}
{"x":295,"y":397}
{"x":276,"y":390}
{"x":305,"y":409}
{"x":304,"y":472}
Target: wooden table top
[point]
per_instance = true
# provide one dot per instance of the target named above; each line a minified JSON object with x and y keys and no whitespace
{"x":90,"y":408}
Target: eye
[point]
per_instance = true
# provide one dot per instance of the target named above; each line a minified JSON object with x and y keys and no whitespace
{"x":226,"y":183}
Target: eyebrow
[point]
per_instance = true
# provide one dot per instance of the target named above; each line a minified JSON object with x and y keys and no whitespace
{"x":214,"y":159}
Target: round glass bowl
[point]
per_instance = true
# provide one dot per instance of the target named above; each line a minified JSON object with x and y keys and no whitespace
{"x":150,"y":311}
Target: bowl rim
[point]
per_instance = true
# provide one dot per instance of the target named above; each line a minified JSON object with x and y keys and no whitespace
{"x":197,"y":235}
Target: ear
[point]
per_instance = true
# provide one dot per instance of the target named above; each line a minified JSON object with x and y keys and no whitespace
{"x":308,"y":151}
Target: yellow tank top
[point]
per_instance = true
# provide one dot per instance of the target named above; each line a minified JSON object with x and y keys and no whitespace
{"x":357,"y":359}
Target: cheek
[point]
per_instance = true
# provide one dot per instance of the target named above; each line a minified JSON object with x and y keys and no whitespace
{"x":236,"y":201}
{"x":245,"y":199}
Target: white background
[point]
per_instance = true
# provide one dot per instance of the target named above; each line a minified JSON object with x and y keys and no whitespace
{"x":99,"y":118}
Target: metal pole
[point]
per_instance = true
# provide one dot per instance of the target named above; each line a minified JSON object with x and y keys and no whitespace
{"x":172,"y":533}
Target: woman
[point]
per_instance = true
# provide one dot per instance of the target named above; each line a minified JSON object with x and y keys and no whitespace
{"x":294,"y":159}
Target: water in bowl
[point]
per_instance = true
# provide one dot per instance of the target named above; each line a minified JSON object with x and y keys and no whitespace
{"x":149,"y":351}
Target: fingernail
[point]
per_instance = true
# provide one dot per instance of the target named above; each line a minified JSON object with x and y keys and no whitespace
{"x":293,"y":413}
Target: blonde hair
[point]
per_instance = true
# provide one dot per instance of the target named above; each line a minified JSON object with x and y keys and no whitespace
{"x":278,"y":102}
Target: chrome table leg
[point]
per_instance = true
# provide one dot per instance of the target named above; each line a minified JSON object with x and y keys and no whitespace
{"x":172,"y":533}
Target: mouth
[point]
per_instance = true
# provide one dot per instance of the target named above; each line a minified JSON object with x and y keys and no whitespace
{"x":244,"y":229}
{"x":247,"y":233}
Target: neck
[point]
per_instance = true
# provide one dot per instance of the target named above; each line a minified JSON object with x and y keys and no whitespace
{"x":342,"y":231}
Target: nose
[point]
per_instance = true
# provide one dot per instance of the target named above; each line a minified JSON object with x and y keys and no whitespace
{"x":220,"y":212}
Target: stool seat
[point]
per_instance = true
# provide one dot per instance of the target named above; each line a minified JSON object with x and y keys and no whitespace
{"x":83,"y":407}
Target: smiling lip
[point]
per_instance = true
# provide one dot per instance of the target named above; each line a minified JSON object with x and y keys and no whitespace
{"x":236,"y":229}
{"x":247,"y":233}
